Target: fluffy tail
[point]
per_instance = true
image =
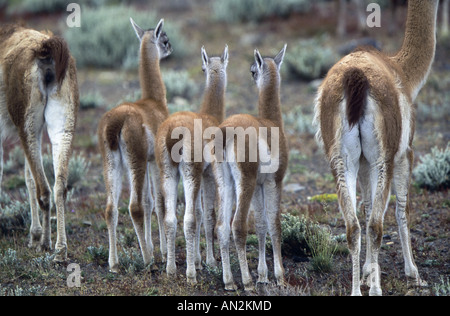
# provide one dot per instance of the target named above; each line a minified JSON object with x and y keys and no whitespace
{"x":356,"y":87}
{"x":53,"y":57}
{"x":113,"y":130}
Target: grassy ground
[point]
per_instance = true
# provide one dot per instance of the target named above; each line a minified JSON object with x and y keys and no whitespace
{"x":25,"y":272}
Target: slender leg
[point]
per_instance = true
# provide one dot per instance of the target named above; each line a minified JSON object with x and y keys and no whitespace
{"x":191,"y":192}
{"x":148,"y":210}
{"x":170,"y":187}
{"x":272,"y":199}
{"x":366,"y":192}
{"x":36,"y":228}
{"x":345,"y":166}
{"x":402,"y":178}
{"x":112,"y":166}
{"x":198,"y":230}
{"x":209,"y":198}
{"x":245,"y":187}
{"x":137,"y":171}
{"x":261,"y":231}
{"x":352,"y":224}
{"x":60,"y":117}
{"x":225,"y":189}
{"x":31,"y":142}
{"x":375,"y":225}
{"x":159,"y":206}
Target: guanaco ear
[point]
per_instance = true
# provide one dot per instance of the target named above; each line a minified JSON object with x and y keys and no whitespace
{"x":205,"y":57}
{"x":139,"y":31}
{"x":280,"y":57}
{"x":259,"y":60}
{"x":224,"y":57}
{"x":159,"y":28}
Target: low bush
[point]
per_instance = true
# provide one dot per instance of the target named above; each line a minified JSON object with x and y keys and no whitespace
{"x":33,"y":6}
{"x":322,"y":246}
{"x":433,"y":171}
{"x":106,"y":38}
{"x":309,"y":59}
{"x":301,"y":237}
{"x":14,"y":215}
{"x":179,"y":84}
{"x":299,"y":122}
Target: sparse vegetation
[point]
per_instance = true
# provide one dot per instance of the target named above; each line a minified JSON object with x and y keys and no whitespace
{"x":322,"y":246}
{"x":179,"y":84}
{"x":442,"y":288}
{"x":256,"y":10}
{"x":433,"y":172}
{"x":92,"y":45}
{"x":309,"y":59}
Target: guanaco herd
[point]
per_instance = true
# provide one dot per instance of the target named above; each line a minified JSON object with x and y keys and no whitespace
{"x":364,"y":116}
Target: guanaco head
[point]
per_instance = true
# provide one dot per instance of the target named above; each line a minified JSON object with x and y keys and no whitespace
{"x":263,"y":69}
{"x":215,"y":66}
{"x":156,"y":37}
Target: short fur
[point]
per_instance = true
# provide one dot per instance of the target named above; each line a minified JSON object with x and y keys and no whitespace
{"x":238,"y":182}
{"x":369,"y":136}
{"x":126,"y":138}
{"x":38,"y":86}
{"x":196,"y":175}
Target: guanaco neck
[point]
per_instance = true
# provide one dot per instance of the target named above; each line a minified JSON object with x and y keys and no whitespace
{"x":152,"y":84}
{"x":269,"y":99}
{"x":417,"y":53}
{"x":214,"y":97}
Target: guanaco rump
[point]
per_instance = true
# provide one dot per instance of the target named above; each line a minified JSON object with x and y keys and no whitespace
{"x":196,"y":174}
{"x":240,"y":180}
{"x":127,"y":142}
{"x":38,"y":87}
{"x":364,"y":111}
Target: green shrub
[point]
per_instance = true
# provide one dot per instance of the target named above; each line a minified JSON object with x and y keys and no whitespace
{"x":106,"y":38}
{"x":256,"y":10}
{"x":309,"y":59}
{"x":44,"y":262}
{"x":442,"y":288}
{"x":9,"y":259}
{"x":322,"y":246}
{"x":98,"y":255}
{"x":49,"y":6}
{"x":91,"y":101}
{"x":33,"y":6}
{"x":302,"y":237}
{"x":35,"y":290}
{"x":15,"y":216}
{"x":131,"y":261}
{"x":293,"y":230}
{"x":16,"y":160}
{"x":324,"y":198}
{"x":78,"y":168}
{"x":299,"y":122}
{"x":433,"y":172}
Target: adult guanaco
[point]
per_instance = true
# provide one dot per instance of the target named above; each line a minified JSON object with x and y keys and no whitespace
{"x":38,"y":87}
{"x":365,"y":114}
